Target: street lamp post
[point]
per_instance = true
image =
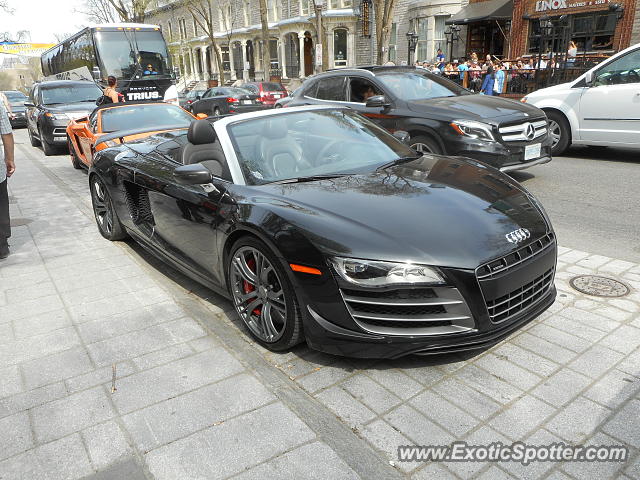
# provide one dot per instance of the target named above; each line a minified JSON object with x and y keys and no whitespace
{"x":452,"y":34}
{"x":412,"y":41}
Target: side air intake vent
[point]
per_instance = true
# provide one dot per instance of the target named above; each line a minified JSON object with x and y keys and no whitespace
{"x":138,"y":204}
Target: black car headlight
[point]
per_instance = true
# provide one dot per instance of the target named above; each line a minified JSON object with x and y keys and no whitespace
{"x":469,"y":128}
{"x":373,"y":273}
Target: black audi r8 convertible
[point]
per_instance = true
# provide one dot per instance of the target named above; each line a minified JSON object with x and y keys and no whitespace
{"x":321,"y":226}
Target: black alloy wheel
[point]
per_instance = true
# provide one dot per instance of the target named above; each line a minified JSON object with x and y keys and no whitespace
{"x":263,"y":296}
{"x":106,"y":217}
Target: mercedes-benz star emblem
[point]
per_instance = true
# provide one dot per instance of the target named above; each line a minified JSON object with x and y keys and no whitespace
{"x":529,"y":131}
{"x":518,"y":236}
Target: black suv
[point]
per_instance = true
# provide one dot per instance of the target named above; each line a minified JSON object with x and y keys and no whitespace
{"x":440,"y":116}
{"x":52,"y":104}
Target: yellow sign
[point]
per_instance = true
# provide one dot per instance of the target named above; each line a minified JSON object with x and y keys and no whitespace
{"x":27,"y":49}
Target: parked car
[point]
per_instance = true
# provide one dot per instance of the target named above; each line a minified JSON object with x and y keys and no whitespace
{"x":84,"y":133}
{"x":322,"y":226}
{"x":440,"y":116}
{"x":226,"y":100}
{"x":187,"y":100}
{"x":52,"y":104}
{"x":16,"y":100}
{"x":269,"y":92}
{"x":598,"y":108}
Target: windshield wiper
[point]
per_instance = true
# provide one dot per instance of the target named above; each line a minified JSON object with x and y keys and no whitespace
{"x":398,"y":161}
{"x":311,"y":178}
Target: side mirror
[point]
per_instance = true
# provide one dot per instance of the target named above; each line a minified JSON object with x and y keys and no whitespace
{"x":402,"y":136}
{"x":195,"y":174}
{"x":588,"y":79}
{"x":377,"y":101}
{"x":29,"y":104}
{"x":198,"y":97}
{"x":201,"y":116}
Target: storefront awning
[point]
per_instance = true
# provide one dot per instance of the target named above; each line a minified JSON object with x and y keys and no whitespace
{"x":481,"y":11}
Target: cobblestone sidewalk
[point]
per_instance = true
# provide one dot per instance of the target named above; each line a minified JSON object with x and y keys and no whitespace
{"x":196,"y":399}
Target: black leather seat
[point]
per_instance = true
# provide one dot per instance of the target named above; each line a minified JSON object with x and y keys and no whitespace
{"x":280,"y":153}
{"x":203,"y":147}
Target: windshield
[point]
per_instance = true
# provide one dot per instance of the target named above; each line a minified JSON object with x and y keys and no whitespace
{"x":16,"y":98}
{"x":77,"y":93}
{"x":128,"y":118}
{"x":311,"y":143}
{"x":127,"y":53}
{"x":416,"y":86}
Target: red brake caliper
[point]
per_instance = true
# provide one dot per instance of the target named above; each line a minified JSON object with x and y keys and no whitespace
{"x":251,"y":263}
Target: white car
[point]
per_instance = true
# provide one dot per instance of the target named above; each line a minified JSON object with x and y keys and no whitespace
{"x":601,"y":107}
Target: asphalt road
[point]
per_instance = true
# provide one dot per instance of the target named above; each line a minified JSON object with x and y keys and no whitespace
{"x":591,"y":195}
{"x":593,"y":198}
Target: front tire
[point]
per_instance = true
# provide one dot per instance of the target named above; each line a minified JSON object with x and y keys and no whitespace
{"x":33,"y":140}
{"x":106,"y":217}
{"x":559,"y":131}
{"x":47,"y":148}
{"x":423,"y":144}
{"x":263,"y":296}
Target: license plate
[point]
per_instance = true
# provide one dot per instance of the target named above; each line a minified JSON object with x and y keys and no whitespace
{"x":246,"y":102}
{"x":275,"y":95}
{"x":532,"y":151}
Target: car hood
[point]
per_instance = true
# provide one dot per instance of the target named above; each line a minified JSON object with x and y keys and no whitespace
{"x":80,"y":107}
{"x":482,"y":108}
{"x":435,"y":210}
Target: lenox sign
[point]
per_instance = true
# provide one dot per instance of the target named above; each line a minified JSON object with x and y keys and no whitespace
{"x":544,"y":5}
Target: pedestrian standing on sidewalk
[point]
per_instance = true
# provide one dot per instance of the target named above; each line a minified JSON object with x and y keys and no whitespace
{"x":7,"y":167}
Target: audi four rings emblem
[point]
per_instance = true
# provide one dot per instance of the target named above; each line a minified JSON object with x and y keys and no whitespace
{"x":518,"y":236}
{"x":529,"y":131}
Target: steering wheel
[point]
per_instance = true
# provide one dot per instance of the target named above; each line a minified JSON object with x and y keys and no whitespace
{"x":633,"y":77}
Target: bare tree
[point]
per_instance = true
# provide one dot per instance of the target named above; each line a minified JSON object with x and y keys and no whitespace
{"x":384,"y":18}
{"x":132,"y":10}
{"x":266,"y":51}
{"x":202,"y":12}
{"x":98,"y":11}
{"x":4,"y":5}
{"x":61,"y":37}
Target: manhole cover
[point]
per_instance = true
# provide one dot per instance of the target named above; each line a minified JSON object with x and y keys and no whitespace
{"x":19,"y":222}
{"x":599,"y":286}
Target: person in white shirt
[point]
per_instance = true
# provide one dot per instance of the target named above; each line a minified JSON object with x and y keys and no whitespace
{"x":7,"y":168}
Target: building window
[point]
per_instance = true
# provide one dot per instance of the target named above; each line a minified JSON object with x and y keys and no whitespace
{"x":183,"y":28}
{"x":419,"y":25}
{"x":170,"y":31}
{"x":335,"y":4}
{"x":590,"y":32}
{"x":393,"y":41}
{"x":340,"y":47}
{"x":438,"y":33}
{"x":247,"y":13}
{"x":272,"y":10}
{"x":273,"y":53}
{"x":195,"y":28}
{"x":304,"y":7}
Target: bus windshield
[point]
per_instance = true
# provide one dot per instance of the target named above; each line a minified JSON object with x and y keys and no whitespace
{"x":129,"y":53}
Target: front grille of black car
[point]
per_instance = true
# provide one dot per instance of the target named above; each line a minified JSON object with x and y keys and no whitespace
{"x":521,"y":298}
{"x":517,"y":133}
{"x":409,"y":311}
{"x":510,"y":273}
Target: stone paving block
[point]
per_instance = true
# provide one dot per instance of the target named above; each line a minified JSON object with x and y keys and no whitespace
{"x":56,"y":367}
{"x":522,"y":417}
{"x":434,"y":471}
{"x":100,"y":279}
{"x":593,"y":261}
{"x":613,"y":313}
{"x":203,"y":343}
{"x":561,"y":387}
{"x":118,"y":324}
{"x":572,"y":256}
{"x":565,"y":340}
{"x":599,"y":470}
{"x":507,"y":371}
{"x":467,"y":398}
{"x":311,"y":462}
{"x":10,"y":381}
{"x":346,"y":407}
{"x":150,"y":296}
{"x":417,"y":427}
{"x":596,"y":361}
{"x":489,"y":384}
{"x":397,"y":381}
{"x":106,"y":444}
{"x":140,"y":342}
{"x":427,"y":376}
{"x":591,"y":319}
{"x":30,"y":292}
{"x":16,"y":435}
{"x":38,"y":346}
{"x":624,"y":304}
{"x":93,"y":293}
{"x":578,"y":420}
{"x":387,"y":440}
{"x":36,"y":270}
{"x":443,"y":412}
{"x":370,"y":393}
{"x":614,"y":388}
{"x":616,"y":267}
{"x":167,"y":381}
{"x":26,"y":280}
{"x":160,"y":357}
{"x":68,"y":415}
{"x":109,"y":306}
{"x":632,"y":469}
{"x":323,"y":378}
{"x":64,"y":459}
{"x":631,"y":364}
{"x":483,"y":436}
{"x":230,"y":447}
{"x":541,"y":347}
{"x":27,"y":308}
{"x":100,"y":376}
{"x":576,"y":328}
{"x":622,"y":426}
{"x":525,"y":359}
{"x":183,"y":415}
{"x":41,"y":324}
{"x":533,"y":470}
{"x":31,"y":398}
{"x":495,"y":473}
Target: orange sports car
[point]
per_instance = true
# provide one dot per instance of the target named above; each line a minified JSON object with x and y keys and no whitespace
{"x":84,"y":133}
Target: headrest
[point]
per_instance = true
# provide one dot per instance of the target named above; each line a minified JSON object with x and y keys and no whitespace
{"x":275,"y":128}
{"x":201,"y":132}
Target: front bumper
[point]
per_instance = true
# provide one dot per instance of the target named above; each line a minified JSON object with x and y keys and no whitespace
{"x":55,"y":131}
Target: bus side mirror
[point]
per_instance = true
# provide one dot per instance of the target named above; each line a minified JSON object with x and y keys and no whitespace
{"x":96,"y":73}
